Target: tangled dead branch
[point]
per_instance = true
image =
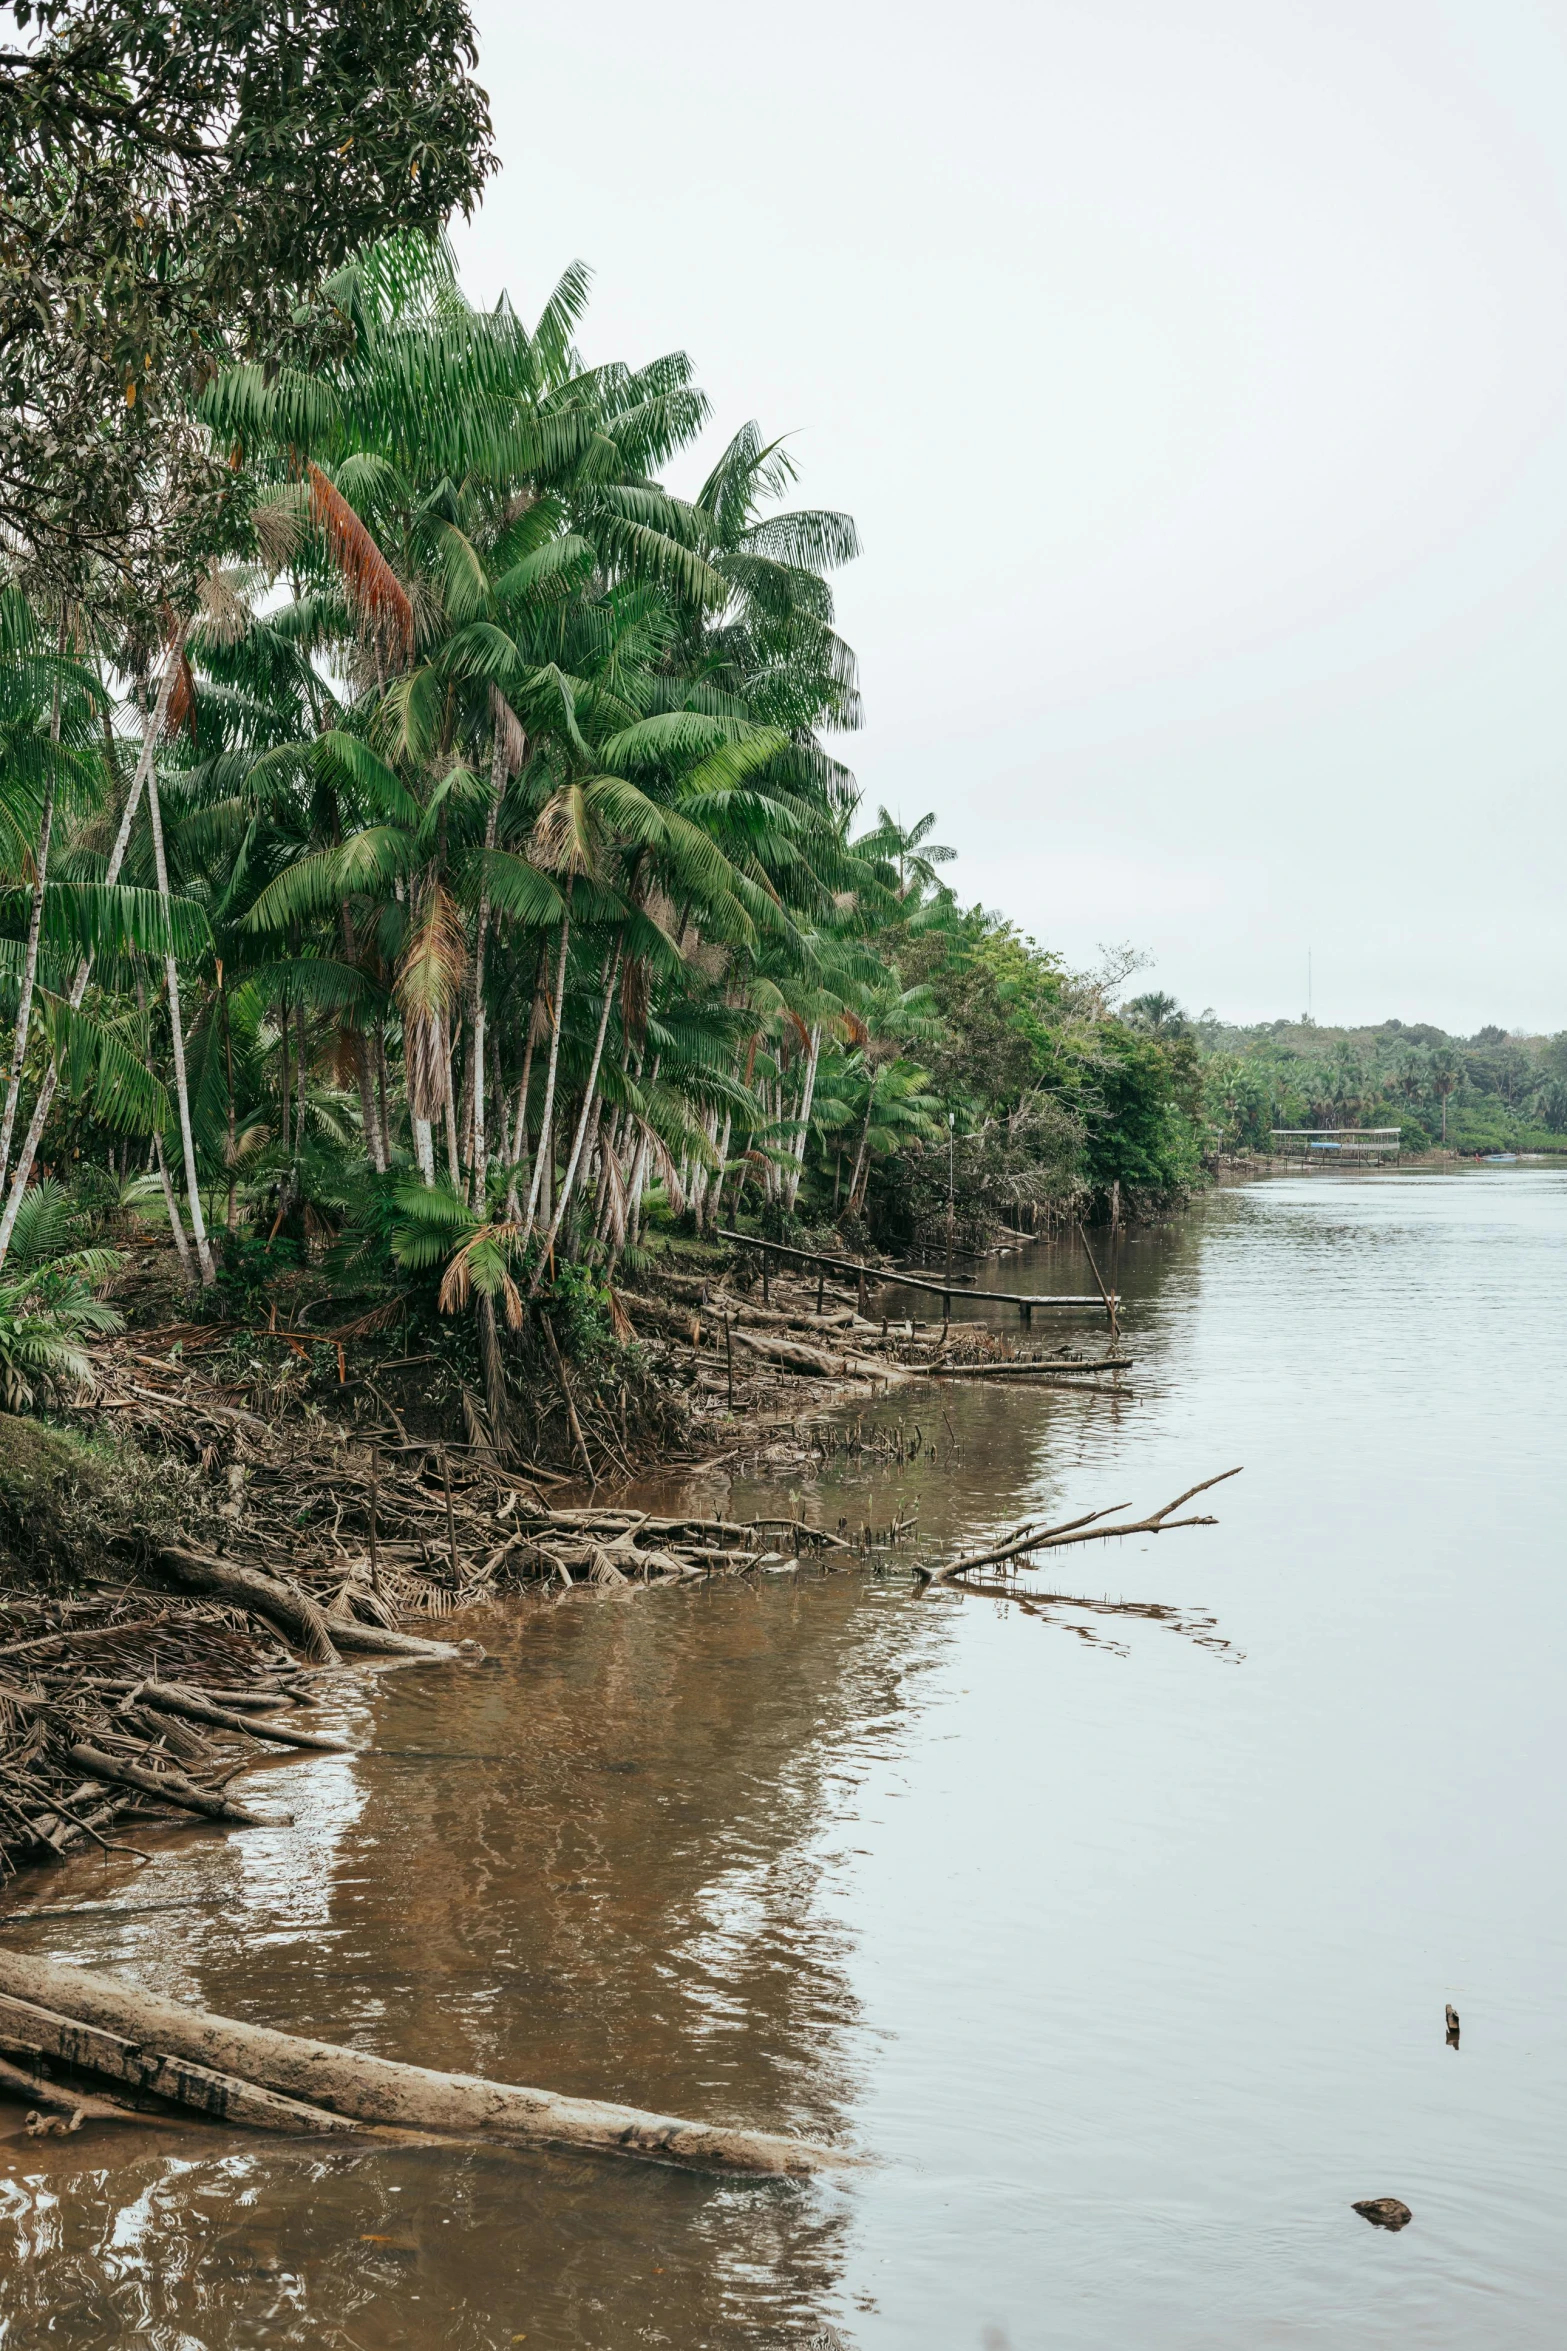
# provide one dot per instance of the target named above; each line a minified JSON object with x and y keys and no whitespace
{"x":1031,"y":1537}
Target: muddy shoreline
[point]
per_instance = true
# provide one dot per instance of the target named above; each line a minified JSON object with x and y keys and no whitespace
{"x":191,"y":1573}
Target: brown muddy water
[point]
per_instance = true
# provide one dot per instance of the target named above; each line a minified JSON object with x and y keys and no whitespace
{"x":1120,"y":1946}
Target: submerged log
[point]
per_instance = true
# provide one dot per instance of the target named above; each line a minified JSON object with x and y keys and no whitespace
{"x":377,"y":2090}
{"x":28,"y":2030}
{"x":1090,"y":1528}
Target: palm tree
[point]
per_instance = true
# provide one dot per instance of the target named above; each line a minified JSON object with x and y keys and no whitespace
{"x":49,"y":1305}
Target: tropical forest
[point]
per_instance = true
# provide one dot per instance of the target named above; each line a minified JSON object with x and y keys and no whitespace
{"x":565,"y":1275}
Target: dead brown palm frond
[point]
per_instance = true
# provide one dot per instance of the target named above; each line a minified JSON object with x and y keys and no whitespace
{"x":484,"y":1255}
{"x":668,"y":1173}
{"x":620,"y":1321}
{"x":435,"y":954}
{"x":508,"y":727}
{"x":373,"y":586}
{"x":615,"y":1195}
{"x":428,"y":986}
{"x":280,"y":524}
{"x":344,"y":1057}
{"x":182,"y":702}
{"x":225,"y":615}
{"x":635,"y":994}
{"x":562,"y":837}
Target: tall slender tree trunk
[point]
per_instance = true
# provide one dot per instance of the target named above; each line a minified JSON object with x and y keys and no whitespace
{"x":639,"y":1166}
{"x":424,"y":1149}
{"x":375,"y":1142}
{"x":807,"y":1097}
{"x":856,"y":1202}
{"x":495,"y":1397}
{"x":589,"y":1097}
{"x":285,"y":1083}
{"x":451,"y":1126}
{"x":35,"y":919}
{"x":478,"y":1173}
{"x":176,"y":1221}
{"x":51,"y":1080}
{"x":367,"y":1116}
{"x":519,"y":1138}
{"x":547,"y":1110}
{"x":382,"y":1090}
{"x":721,"y":1173}
{"x":231,"y":1139}
{"x":171,"y":974}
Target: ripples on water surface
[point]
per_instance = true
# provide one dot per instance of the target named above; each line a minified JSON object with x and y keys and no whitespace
{"x":1127,"y":1963}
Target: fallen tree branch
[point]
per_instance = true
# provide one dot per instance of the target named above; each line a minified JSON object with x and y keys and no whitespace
{"x":286,"y":1605}
{"x":1086,"y":1529}
{"x":174,"y":1698}
{"x":170,"y":1787}
{"x":263,"y":1595}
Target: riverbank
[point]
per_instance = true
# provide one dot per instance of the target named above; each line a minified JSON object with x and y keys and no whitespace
{"x":175,"y":1556}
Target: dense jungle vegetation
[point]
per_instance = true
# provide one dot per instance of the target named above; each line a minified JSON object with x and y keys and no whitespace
{"x":426,"y":862}
{"x":423,"y":860}
{"x":1493,"y":1091}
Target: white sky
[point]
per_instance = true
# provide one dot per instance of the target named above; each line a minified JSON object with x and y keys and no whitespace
{"x":1195,"y":374}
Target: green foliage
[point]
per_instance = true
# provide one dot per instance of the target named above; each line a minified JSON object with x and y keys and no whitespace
{"x":49,"y":1307}
{"x":251,"y":1265}
{"x":1498,"y":1091}
{"x":505,"y":895}
{"x":176,"y":184}
{"x":69,"y":1503}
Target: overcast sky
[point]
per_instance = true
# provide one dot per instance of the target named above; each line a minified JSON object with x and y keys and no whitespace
{"x":1195,"y":373}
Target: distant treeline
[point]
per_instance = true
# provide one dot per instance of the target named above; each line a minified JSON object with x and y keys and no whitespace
{"x":1494,"y":1091}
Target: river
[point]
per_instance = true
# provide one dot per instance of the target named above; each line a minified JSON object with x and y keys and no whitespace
{"x":1119,"y":1943}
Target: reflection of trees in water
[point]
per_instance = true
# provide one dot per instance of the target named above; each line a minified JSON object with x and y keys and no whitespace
{"x":599,"y":1866}
{"x":634,"y":1872}
{"x":602,"y":1865}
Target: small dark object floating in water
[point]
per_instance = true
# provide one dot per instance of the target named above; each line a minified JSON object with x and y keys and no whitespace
{"x":1384,"y":2212}
{"x":1452,"y":2026}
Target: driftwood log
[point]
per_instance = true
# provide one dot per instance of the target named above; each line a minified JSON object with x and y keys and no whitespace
{"x":117,"y":2023}
{"x":287,"y":1606}
{"x":168,"y":1786}
{"x":1046,"y":1370}
{"x":819,"y":1362}
{"x":173,"y":1698}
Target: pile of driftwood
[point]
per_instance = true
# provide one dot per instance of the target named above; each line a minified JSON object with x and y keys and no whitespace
{"x":141,"y":1700}
{"x":88,"y":2048}
{"x":146,"y":1691}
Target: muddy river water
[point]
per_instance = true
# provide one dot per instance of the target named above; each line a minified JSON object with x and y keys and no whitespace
{"x":1119,"y":1944}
